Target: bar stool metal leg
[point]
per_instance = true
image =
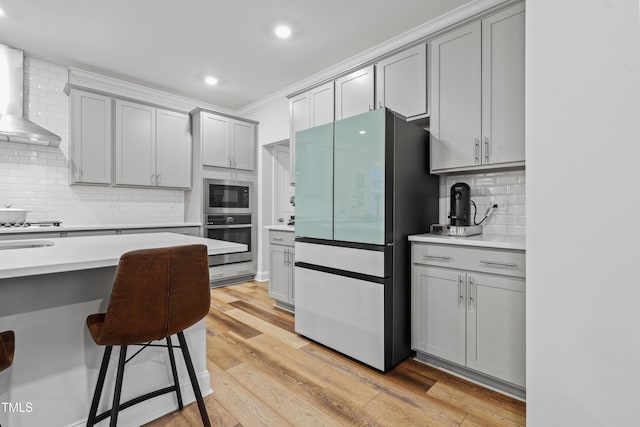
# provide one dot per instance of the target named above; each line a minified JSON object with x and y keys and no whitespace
{"x":116,"y":394}
{"x":99,"y":386}
{"x":174,"y":371}
{"x":194,"y":380}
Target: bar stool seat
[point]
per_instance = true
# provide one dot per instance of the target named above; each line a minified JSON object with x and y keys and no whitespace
{"x":7,"y":348}
{"x":156,"y":293}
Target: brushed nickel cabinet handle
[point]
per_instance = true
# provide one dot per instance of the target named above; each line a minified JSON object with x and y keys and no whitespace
{"x":460,"y":296}
{"x":277,"y":239}
{"x":477,"y":152}
{"x":469,"y":289}
{"x":486,"y":149}
{"x":441,"y":258}
{"x":498,"y":264}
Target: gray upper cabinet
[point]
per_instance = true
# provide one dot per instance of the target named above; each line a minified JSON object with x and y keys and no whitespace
{"x":90,"y":148}
{"x":243,"y":137}
{"x":355,"y":93}
{"x":227,"y":142}
{"x":477,"y":114}
{"x":173,"y":149}
{"x":312,"y":108}
{"x":216,"y":138}
{"x":503,"y":86}
{"x":153,"y":146}
{"x":135,"y":143}
{"x":456,"y":97}
{"x":401,"y":82}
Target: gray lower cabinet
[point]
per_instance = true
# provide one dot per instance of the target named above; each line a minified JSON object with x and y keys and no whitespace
{"x":469,"y":317}
{"x":281,"y":267}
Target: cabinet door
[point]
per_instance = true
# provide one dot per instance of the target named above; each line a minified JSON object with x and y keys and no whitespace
{"x":401,"y":82}
{"x":173,"y":149}
{"x":354,"y":93}
{"x":322,"y":104}
{"x":359,"y":175}
{"x":135,"y":143}
{"x":278,"y":273}
{"x":456,"y":106}
{"x":314,"y":182}
{"x":243,"y":143}
{"x":91,"y":138}
{"x":216,"y":140}
{"x":438,"y":312}
{"x":292,"y":280}
{"x":299,"y":119}
{"x":503,"y":86}
{"x":496,"y":326}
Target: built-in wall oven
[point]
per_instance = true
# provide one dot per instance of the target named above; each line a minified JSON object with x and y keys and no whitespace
{"x":229,"y":215}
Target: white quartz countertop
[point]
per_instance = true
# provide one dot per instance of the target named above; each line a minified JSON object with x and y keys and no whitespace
{"x":495,"y":241}
{"x":82,"y":253}
{"x":80,"y":227}
{"x":280,"y":227}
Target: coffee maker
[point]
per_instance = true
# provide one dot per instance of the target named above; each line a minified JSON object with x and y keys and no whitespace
{"x":460,"y":206}
{"x":460,"y":219}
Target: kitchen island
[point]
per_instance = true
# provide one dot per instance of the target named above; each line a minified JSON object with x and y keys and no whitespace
{"x":46,"y":293}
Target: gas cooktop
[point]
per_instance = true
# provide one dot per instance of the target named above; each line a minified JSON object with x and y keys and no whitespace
{"x":31,"y":224}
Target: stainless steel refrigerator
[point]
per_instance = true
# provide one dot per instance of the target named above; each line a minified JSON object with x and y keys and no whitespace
{"x":362,"y":186}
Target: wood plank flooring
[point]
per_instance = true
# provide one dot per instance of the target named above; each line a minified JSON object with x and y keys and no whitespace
{"x":264,"y":374}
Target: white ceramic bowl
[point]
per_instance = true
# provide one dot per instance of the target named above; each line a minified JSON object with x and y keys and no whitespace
{"x":9,"y":215}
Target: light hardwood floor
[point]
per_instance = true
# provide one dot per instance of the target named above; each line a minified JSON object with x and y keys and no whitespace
{"x":264,"y":374}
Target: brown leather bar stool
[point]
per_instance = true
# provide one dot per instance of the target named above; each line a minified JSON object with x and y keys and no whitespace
{"x":156,"y":293}
{"x":7,"y":347}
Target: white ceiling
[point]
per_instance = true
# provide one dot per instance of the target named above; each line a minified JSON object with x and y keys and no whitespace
{"x":172,"y":45}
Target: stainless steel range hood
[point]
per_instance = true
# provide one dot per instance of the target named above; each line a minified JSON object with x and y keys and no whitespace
{"x":13,"y":126}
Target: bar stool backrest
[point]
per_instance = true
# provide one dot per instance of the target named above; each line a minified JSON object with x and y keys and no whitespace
{"x":156,"y":293}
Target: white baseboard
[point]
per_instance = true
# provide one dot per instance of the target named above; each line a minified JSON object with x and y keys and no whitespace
{"x":262,"y":276}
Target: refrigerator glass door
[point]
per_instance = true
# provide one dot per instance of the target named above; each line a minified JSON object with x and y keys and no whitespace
{"x":314,"y":182}
{"x":359,"y":173}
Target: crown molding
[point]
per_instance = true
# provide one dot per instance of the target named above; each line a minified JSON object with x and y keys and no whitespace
{"x":118,"y":87}
{"x":421,"y":34}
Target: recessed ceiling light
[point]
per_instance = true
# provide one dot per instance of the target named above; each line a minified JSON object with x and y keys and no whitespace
{"x":2,"y":12}
{"x":362,"y":132}
{"x":211,"y":81}
{"x":282,"y":32}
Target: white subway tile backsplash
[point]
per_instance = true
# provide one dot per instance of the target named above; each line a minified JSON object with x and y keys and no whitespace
{"x":35,"y":177}
{"x":507,"y":189}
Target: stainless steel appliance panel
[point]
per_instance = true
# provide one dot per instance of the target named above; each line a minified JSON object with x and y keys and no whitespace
{"x":221,"y":196}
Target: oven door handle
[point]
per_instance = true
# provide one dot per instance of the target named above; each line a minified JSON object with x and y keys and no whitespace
{"x":217,"y":227}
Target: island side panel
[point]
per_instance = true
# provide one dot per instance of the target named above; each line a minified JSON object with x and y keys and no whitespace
{"x":56,"y":362}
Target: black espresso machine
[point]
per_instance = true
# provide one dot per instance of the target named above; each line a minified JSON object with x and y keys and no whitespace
{"x":461,"y":222}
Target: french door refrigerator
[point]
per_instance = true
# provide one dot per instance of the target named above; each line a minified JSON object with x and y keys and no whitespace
{"x":362,"y":187}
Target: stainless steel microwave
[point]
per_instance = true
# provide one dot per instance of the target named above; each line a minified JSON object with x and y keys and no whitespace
{"x":223,"y":196}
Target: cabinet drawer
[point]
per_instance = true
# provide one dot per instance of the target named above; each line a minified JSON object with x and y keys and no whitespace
{"x":222,"y":272}
{"x":281,"y":237}
{"x":496,"y":261}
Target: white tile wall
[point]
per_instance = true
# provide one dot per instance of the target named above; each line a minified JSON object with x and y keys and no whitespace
{"x":507,"y":189}
{"x":36,"y":178}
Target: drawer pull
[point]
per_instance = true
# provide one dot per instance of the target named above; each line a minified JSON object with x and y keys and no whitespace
{"x":244,"y":271}
{"x":441,"y":258}
{"x":499,"y":264}
{"x":277,"y":239}
{"x":217,"y":276}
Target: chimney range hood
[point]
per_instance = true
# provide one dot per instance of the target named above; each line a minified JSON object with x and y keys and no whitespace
{"x":13,"y":126}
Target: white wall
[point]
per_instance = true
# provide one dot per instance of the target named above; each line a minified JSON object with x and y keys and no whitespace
{"x":36,"y":178}
{"x":583,"y":292}
{"x":274,"y":127}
